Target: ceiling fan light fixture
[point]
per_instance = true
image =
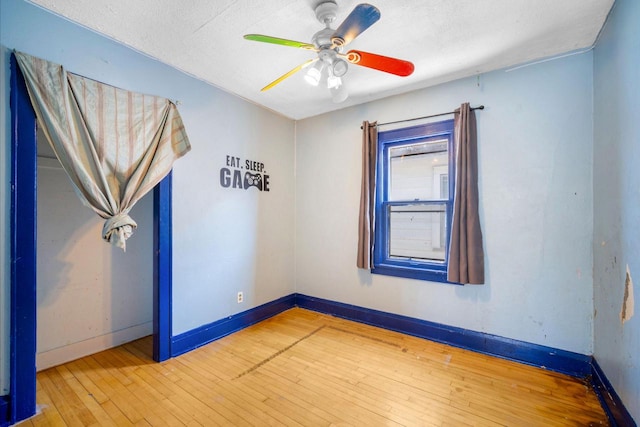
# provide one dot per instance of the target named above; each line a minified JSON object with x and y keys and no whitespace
{"x":339,"y":94}
{"x":314,"y":74}
{"x":333,"y":82}
{"x":329,"y":43}
{"x":339,"y":67}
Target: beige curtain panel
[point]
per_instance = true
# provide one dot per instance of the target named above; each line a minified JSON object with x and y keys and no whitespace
{"x":115,"y":145}
{"x":366,"y":221}
{"x":466,"y":256}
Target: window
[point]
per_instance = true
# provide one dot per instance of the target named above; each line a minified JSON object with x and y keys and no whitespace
{"x":414,"y":201}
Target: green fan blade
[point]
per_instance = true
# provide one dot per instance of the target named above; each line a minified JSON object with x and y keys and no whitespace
{"x":275,"y":40}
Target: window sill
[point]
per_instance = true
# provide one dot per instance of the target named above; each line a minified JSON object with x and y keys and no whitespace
{"x":412,"y":273}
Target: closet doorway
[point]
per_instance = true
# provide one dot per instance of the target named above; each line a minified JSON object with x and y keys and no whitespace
{"x":91,"y":295}
{"x":23,"y":332}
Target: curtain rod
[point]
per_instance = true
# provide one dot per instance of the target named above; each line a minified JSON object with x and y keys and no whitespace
{"x":481,"y":107}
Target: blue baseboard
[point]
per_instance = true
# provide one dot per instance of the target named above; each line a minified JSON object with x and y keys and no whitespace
{"x":198,"y":337}
{"x":5,"y":419}
{"x":613,"y":406}
{"x":566,"y":362}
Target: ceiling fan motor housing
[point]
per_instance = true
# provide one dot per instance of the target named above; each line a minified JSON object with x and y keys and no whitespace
{"x":326,"y":12}
{"x":322,"y":39}
{"x":337,"y":65}
{"x":331,"y":63}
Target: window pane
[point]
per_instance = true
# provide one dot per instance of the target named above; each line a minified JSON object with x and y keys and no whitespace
{"x":418,"y":231}
{"x":417,"y":171}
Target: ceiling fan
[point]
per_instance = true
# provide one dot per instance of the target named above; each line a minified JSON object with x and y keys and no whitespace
{"x":331,"y":63}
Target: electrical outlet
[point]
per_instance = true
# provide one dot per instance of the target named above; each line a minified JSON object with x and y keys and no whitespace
{"x":240,"y":297}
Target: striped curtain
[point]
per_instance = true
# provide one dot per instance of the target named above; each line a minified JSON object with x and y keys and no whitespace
{"x":115,"y":145}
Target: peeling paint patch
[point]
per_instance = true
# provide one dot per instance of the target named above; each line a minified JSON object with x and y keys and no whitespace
{"x":627,"y":302}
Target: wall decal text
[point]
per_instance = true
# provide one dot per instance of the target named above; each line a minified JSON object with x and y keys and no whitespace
{"x":244,"y":174}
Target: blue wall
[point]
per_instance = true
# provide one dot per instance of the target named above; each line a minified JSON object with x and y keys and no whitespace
{"x":225,"y":240}
{"x":559,"y":193}
{"x":616,"y":198}
{"x":535,"y":162}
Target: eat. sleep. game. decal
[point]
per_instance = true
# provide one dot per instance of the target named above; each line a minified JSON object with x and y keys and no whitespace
{"x":243,"y":175}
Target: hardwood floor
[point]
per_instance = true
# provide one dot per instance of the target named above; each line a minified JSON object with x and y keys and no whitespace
{"x":302,"y":368}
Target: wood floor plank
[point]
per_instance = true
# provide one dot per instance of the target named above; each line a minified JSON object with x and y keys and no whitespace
{"x":101,"y":416}
{"x":300,"y":396}
{"x":126,"y":402}
{"x":209,"y":395}
{"x":155,"y":411}
{"x":281,"y":400}
{"x":302,"y":368}
{"x":189,"y":408}
{"x":66,"y":402}
{"x":118,"y":417}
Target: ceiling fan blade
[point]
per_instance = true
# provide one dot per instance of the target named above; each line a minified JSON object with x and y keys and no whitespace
{"x":362,"y":17}
{"x":288,"y":74}
{"x":276,"y":40}
{"x":395,"y":66}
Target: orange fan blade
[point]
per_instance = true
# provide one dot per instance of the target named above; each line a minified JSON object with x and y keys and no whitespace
{"x":387,"y":64}
{"x":288,"y":74}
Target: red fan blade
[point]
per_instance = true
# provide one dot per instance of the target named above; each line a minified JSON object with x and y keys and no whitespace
{"x":395,"y":66}
{"x":362,"y":17}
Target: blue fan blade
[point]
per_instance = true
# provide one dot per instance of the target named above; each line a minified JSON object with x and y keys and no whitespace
{"x":362,"y":17}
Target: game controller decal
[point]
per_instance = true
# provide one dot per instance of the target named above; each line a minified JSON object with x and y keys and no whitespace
{"x":244,"y":175}
{"x":252,"y":180}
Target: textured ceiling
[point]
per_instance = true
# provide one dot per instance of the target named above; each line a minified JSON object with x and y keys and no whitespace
{"x":445,"y":39}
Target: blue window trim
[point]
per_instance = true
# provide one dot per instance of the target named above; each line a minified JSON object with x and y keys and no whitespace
{"x":382,"y":263}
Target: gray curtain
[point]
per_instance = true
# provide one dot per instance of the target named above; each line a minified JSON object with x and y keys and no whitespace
{"x":466,"y":256}
{"x":366,"y":221}
{"x":114,"y":145}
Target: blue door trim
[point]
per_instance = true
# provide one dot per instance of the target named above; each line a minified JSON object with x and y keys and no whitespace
{"x":4,"y":411}
{"x":22,"y":336}
{"x":162,"y":271}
